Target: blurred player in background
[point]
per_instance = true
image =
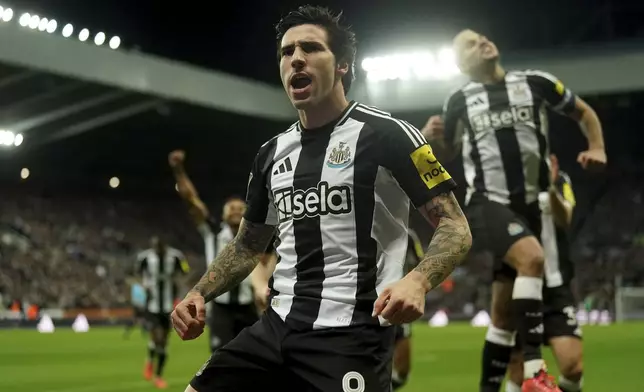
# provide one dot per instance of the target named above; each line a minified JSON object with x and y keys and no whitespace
{"x":160,"y":268}
{"x":561,"y":331}
{"x":402,"y":350}
{"x":138,"y":299}
{"x":239,"y":308}
{"x":499,"y":121}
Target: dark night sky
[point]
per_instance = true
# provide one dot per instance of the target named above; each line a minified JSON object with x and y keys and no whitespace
{"x":239,"y":37}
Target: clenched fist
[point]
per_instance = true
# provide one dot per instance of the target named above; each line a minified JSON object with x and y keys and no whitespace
{"x":434,"y":129}
{"x":404,"y":301}
{"x":189,"y":317}
{"x":593,"y":160}
{"x":176,"y":158}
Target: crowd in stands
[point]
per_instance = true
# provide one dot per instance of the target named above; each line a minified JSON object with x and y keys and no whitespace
{"x":70,"y":252}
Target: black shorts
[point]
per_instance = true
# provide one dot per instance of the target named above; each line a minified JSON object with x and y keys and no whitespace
{"x":403,"y":331}
{"x":227,"y":321}
{"x":139,"y":312}
{"x":272,"y":355}
{"x":559,"y":314}
{"x":496,"y":227}
{"x":158,"y":320}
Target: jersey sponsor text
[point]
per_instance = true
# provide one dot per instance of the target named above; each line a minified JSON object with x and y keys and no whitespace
{"x":502,"y":118}
{"x":322,"y":200}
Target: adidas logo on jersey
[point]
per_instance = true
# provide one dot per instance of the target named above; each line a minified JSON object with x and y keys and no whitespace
{"x":284,"y":167}
{"x":502,"y":119}
{"x":322,"y":200}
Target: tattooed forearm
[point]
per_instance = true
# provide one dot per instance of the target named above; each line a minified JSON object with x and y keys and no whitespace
{"x":236,"y":261}
{"x":451,"y":242}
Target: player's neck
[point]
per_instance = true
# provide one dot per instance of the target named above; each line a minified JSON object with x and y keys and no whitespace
{"x":494,"y":74}
{"x":326,"y":111}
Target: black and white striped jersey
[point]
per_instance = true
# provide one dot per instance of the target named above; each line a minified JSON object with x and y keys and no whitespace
{"x":340,"y":198}
{"x":503,"y":129}
{"x":159,"y":272}
{"x":558,"y":267}
{"x":216,"y":236}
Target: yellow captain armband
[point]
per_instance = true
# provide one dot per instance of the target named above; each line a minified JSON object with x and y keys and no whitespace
{"x":568,"y":194}
{"x":430,"y":170}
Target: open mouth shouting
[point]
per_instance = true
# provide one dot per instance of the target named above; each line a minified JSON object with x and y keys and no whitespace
{"x":300,"y":84}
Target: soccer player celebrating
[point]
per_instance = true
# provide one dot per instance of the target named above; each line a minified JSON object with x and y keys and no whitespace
{"x":238,"y":308}
{"x":337,"y":186}
{"x":560,"y":329}
{"x":160,"y":267}
{"x":498,"y":121}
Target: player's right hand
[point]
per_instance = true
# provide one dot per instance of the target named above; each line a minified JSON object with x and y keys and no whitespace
{"x":189,"y":317}
{"x":592,"y":159}
{"x":434,"y":129}
{"x":176,"y":158}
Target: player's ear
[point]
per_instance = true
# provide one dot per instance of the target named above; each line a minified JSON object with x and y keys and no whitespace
{"x":342,"y":69}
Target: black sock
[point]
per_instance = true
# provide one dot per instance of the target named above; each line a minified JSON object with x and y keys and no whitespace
{"x":496,"y":356}
{"x":161,"y":362}
{"x":564,"y":389}
{"x":528,"y":308}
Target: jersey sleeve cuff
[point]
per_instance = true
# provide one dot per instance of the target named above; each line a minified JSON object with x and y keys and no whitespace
{"x":444,"y":187}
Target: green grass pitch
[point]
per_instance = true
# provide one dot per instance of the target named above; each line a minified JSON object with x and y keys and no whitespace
{"x":444,"y":360}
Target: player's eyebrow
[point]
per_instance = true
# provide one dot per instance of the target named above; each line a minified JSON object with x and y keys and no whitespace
{"x":307,"y":43}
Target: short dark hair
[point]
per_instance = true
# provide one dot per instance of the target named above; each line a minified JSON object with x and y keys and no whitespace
{"x":342,"y":40}
{"x":234,"y":198}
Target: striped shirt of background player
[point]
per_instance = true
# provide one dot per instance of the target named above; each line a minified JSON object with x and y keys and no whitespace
{"x":342,"y":212}
{"x":558,"y":267}
{"x":506,"y":120}
{"x":159,"y":275}
{"x":216,"y":236}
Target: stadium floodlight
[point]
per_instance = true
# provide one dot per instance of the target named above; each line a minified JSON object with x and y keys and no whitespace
{"x":24,"y":19}
{"x":83,"y":35}
{"x":52,"y":26}
{"x":18,"y":139}
{"x":34,"y":21}
{"x":42,"y":25}
{"x":99,"y":39}
{"x":68,"y":30}
{"x":7,"y":14}
{"x":24,"y":173}
{"x":447,"y":62}
{"x":7,"y":138}
{"x":115,"y":42}
{"x":114,"y":182}
{"x":416,"y":65}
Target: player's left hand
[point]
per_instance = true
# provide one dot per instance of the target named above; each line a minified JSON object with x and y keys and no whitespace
{"x":404,"y":301}
{"x":594,"y":159}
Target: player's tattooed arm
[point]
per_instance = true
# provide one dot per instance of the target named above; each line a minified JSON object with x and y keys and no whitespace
{"x":451,"y":241}
{"x":236,"y":261}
